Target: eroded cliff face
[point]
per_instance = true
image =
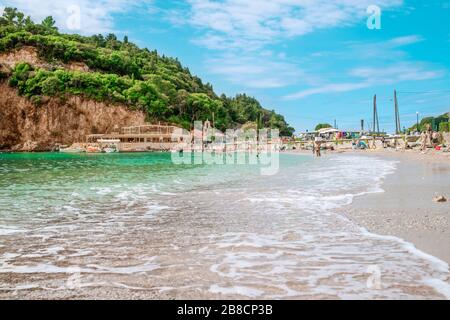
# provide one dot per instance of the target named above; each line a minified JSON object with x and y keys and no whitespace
{"x":27,"y":127}
{"x":30,"y":55}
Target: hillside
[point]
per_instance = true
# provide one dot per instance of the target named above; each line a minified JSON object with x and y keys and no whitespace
{"x":439,"y":123}
{"x":42,"y":63}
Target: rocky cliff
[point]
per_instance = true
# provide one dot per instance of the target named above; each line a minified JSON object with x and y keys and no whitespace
{"x":27,"y":127}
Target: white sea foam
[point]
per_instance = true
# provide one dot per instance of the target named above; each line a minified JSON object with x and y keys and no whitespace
{"x":154,"y":209}
{"x":441,"y":286}
{"x":236,"y":290}
{"x":236,"y":234}
{"x":10,"y":230}
{"x":102,"y":191}
{"x":364,"y":178}
{"x":92,"y":268}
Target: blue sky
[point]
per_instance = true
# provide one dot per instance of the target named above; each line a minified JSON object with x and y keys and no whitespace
{"x":310,"y":60}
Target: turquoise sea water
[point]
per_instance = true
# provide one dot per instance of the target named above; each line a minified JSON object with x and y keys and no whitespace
{"x":139,"y":223}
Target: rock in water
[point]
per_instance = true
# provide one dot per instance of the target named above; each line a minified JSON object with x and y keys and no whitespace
{"x":440,"y":199}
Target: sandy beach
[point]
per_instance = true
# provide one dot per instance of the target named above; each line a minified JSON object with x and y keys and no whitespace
{"x":406,"y":208}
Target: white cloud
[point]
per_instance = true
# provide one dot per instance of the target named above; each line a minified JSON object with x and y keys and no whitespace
{"x":254,"y":23}
{"x":370,"y":76}
{"x":255,"y":71}
{"x":96,"y":16}
{"x":242,"y":30}
{"x":397,"y":73}
{"x":388,"y":50}
{"x":329,"y":88}
{"x":403,"y":41}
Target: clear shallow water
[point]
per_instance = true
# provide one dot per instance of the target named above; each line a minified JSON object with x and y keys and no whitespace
{"x":137,"y":223}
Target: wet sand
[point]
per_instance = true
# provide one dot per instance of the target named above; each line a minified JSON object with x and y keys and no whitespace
{"x":406,"y":208}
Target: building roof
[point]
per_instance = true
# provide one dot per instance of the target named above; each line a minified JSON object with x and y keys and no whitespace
{"x":328,"y":130}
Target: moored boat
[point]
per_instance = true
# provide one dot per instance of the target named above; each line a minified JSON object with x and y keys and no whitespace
{"x":109,"y":150}
{"x":109,"y":145}
{"x":72,"y":150}
{"x":92,"y":149}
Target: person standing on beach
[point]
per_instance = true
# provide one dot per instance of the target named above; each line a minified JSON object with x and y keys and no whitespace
{"x":318,"y":149}
{"x":317,"y":146}
{"x":435,"y":139}
{"x":423,"y":138}
{"x":429,"y":134}
{"x":374,"y":142}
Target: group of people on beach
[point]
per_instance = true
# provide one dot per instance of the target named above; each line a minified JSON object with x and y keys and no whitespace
{"x":429,"y":137}
{"x":317,"y":146}
{"x":359,"y":144}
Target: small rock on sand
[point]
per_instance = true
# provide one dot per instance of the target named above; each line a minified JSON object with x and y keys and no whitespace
{"x":440,"y":199}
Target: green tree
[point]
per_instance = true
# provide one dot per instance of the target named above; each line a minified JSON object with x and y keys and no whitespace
{"x":9,"y":16}
{"x":428,"y":122}
{"x":98,"y":40}
{"x":29,"y":25}
{"x":201,"y":107}
{"x":49,"y":25}
{"x":323,"y":126}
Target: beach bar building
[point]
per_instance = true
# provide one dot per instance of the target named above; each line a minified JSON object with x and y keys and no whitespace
{"x":166,"y":137}
{"x":155,"y":137}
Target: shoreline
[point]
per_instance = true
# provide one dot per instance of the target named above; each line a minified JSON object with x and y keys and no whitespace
{"x":405,"y":209}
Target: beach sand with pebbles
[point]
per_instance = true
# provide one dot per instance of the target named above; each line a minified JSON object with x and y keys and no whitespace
{"x":406,"y":208}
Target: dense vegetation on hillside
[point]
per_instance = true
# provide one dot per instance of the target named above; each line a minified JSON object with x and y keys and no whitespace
{"x":440,"y":123}
{"x":122,"y":73}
